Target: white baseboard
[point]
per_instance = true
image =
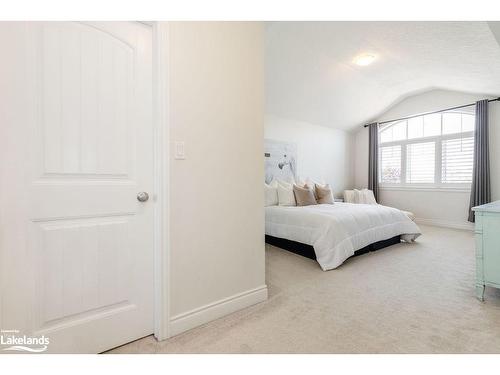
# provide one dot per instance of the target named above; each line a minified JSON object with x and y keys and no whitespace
{"x":445,"y":223}
{"x":194,"y":318}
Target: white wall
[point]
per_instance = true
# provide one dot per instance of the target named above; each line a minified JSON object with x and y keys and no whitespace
{"x":323,"y":153}
{"x":216,"y":198}
{"x":436,"y":207}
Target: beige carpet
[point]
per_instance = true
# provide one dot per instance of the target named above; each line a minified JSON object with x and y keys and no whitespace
{"x":409,"y":298}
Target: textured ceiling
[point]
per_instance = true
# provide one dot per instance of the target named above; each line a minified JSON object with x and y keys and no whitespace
{"x":310,"y":75}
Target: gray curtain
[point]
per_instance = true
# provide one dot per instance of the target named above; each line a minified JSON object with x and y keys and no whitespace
{"x":373,"y":159}
{"x":480,"y":189}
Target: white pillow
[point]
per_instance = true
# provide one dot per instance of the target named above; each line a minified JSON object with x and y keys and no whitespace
{"x":349,"y":196}
{"x":271,"y":193}
{"x":363,"y":196}
{"x":286,"y":197}
{"x":359,"y":196}
{"x":368,"y":196}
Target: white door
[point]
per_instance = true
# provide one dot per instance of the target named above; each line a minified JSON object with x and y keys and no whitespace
{"x":76,"y":149}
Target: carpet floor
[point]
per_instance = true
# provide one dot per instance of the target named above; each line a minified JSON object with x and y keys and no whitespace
{"x":408,"y":298}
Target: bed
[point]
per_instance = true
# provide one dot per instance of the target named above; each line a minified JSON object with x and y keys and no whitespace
{"x":337,"y":231}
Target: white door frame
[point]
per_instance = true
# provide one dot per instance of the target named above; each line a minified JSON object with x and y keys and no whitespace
{"x":161,"y":180}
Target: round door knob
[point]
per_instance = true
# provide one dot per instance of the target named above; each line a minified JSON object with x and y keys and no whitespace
{"x":142,"y":196}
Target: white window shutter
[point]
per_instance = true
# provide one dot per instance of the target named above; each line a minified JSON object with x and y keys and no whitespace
{"x":420,"y":163}
{"x":457,"y":156}
{"x":390,"y":164}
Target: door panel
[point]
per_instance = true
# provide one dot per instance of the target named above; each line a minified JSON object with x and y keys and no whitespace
{"x":86,"y":100}
{"x":84,"y":266}
{"x":85,"y":245}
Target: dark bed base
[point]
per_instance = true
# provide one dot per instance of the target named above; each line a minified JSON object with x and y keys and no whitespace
{"x":308,"y":251}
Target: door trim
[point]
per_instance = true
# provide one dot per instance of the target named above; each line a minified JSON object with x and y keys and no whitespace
{"x":161,"y":181}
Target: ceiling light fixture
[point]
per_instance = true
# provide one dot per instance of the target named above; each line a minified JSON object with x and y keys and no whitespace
{"x":364,"y":59}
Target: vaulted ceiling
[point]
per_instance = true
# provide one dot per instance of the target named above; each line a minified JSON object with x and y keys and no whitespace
{"x":310,"y":74}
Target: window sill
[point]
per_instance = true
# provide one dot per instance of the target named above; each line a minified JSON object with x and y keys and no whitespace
{"x":443,"y":189}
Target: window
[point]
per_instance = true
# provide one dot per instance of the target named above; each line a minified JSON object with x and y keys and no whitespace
{"x":420,"y":163}
{"x":390,"y":164}
{"x":457,"y":160}
{"x":433,"y":150}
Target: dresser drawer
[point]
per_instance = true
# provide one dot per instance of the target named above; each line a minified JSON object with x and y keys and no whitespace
{"x":491,"y":248}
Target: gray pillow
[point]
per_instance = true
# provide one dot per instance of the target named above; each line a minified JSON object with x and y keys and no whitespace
{"x":324,"y":194}
{"x":304,"y":195}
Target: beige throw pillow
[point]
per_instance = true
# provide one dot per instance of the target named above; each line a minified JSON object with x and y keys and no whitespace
{"x":324,"y":194}
{"x":310,"y":186}
{"x":304,"y":196}
{"x":311,"y":183}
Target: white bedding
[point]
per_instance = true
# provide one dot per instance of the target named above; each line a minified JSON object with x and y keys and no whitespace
{"x":337,"y":230}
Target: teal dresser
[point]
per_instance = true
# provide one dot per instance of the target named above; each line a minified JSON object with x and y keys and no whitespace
{"x":487,"y":233}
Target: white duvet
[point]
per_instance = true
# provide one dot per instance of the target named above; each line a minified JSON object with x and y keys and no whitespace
{"x":337,"y":230}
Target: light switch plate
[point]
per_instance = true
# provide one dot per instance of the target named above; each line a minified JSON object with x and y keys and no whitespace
{"x":179,"y":152}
